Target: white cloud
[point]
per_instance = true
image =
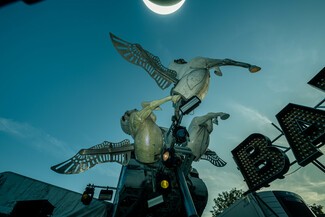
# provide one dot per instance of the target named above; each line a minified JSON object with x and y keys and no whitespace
{"x":12,"y":127}
{"x":217,"y":181}
{"x":308,"y":182}
{"x":251,"y":116}
{"x":34,"y":137}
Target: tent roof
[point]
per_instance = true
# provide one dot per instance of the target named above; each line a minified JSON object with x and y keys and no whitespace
{"x":15,"y":187}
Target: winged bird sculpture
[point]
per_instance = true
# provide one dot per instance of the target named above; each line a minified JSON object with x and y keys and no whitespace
{"x":147,"y":146}
{"x":147,"y":135}
{"x":148,"y":141}
{"x":159,"y":155}
{"x":87,"y":158}
{"x":199,"y":130}
{"x":189,"y":78}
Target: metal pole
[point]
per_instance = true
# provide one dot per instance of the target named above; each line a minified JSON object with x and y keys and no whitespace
{"x":319,"y":165}
{"x":119,"y":188}
{"x":186,"y":195}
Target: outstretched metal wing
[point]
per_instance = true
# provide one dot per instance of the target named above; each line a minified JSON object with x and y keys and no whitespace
{"x":135,"y":54}
{"x":213,"y":158}
{"x":105,"y":152}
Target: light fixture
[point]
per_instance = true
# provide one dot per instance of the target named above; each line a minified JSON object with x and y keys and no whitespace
{"x":166,"y":155}
{"x":164,"y":7}
{"x":318,"y":80}
{"x":190,"y":105}
{"x":304,"y":128}
{"x":105,"y":194}
{"x":163,"y":181}
{"x":180,"y":134}
{"x":164,"y":184}
{"x":170,"y":159}
{"x":259,"y":161}
{"x":88,"y":195}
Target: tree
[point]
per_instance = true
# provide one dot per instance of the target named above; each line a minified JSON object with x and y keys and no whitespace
{"x":317,"y":209}
{"x":225,"y":199}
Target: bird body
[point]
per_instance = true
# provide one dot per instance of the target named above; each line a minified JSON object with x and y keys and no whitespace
{"x":189,"y":78}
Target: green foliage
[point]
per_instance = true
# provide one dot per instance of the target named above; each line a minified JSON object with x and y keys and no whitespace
{"x":317,"y":209}
{"x":225,"y":199}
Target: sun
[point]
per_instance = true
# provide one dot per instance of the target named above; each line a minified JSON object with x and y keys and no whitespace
{"x":164,"y":7}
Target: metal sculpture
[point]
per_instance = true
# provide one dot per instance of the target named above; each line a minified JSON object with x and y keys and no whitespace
{"x":147,"y":146}
{"x":148,"y":141}
{"x":189,"y":78}
{"x":161,"y":156}
{"x":102,"y":153}
{"x":199,"y":132}
{"x":147,"y":135}
{"x":157,"y":160}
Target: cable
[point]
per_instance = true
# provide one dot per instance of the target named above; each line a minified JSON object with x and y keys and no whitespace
{"x":293,"y":171}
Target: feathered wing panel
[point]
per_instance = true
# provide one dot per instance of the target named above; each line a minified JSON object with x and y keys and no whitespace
{"x":135,"y":54}
{"x":213,"y":158}
{"x":87,"y":158}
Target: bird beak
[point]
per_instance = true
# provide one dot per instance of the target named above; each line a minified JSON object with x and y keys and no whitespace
{"x":254,"y":69}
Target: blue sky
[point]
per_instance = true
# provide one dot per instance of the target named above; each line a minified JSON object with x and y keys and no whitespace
{"x":64,"y":86}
